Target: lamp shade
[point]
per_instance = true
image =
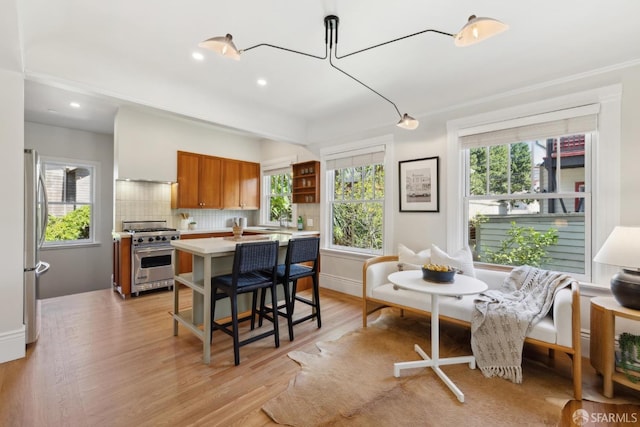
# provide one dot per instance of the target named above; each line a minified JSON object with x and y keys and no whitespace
{"x":479,"y":29}
{"x":223,"y":46}
{"x":408,"y":122}
{"x":622,"y":248}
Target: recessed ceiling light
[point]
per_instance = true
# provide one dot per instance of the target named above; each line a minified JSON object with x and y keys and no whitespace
{"x":74,"y":105}
{"x":197,"y":56}
{"x":261,"y":82}
{"x":52,"y":111}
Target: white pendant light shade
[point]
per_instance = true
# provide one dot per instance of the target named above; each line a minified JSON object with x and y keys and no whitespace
{"x":479,"y":29}
{"x":408,"y":122}
{"x":223,"y":46}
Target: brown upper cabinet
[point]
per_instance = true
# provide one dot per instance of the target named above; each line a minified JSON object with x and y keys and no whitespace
{"x":199,"y":181}
{"x":240,"y":184}
{"x":209,"y":182}
{"x":306,"y":182}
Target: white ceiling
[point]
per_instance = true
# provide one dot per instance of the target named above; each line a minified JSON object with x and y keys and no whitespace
{"x":139,"y":52}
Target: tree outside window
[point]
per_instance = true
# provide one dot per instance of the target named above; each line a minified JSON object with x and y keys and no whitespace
{"x":523,"y":206}
{"x":279,"y":198}
{"x":357,"y":206}
{"x":70,"y":189}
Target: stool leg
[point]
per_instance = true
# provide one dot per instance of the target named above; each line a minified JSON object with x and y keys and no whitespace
{"x":316,"y":298}
{"x":274,"y":306}
{"x":288,"y":302}
{"x":263,"y":292}
{"x":254,"y":307}
{"x":234,"y":322}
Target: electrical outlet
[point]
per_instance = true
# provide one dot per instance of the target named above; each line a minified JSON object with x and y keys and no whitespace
{"x":309,"y":222}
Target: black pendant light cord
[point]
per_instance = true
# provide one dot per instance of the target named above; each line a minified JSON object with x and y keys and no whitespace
{"x":331,"y":37}
{"x":288,"y":50}
{"x":385,"y":43}
{"x":368,"y":87}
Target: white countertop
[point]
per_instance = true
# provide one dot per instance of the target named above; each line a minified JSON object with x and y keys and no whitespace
{"x":218,"y":246}
{"x":255,"y":229}
{"x":252,"y":229}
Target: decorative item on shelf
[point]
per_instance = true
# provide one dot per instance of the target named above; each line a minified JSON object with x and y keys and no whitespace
{"x":622,"y":249}
{"x":475,"y":30}
{"x":193,"y":225}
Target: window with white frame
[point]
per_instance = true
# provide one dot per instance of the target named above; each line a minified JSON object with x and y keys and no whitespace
{"x":356,"y":199}
{"x":70,"y":189}
{"x":277,"y":202}
{"x":527,"y":194}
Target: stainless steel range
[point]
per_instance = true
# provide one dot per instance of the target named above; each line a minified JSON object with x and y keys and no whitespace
{"x":152,"y":255}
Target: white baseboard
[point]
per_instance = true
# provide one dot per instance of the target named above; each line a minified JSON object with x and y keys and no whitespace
{"x":341,"y":284}
{"x":12,"y":345}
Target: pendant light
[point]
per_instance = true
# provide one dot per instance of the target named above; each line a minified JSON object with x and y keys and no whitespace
{"x":474,"y":31}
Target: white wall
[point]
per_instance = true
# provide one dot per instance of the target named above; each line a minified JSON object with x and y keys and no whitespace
{"x":12,"y":330}
{"x":146,"y":144}
{"x":85,"y":268}
{"x":630,"y":136}
{"x":420,"y":230}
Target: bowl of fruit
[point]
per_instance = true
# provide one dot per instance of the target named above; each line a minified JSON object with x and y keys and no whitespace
{"x":438,"y":273}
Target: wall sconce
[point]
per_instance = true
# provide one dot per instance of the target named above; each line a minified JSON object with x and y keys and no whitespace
{"x":474,"y":31}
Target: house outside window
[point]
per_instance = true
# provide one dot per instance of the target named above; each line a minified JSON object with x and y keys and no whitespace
{"x":356,"y":199}
{"x":528,"y":200}
{"x":278,"y":206}
{"x":71,"y":202}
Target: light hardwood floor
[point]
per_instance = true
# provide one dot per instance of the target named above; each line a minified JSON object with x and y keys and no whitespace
{"x":102,"y":361}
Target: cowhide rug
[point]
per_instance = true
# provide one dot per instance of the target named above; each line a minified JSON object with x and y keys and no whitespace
{"x":350,"y":382}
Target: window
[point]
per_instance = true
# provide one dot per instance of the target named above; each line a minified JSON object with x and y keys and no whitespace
{"x":356,"y":202}
{"x":527,"y":195}
{"x":278,"y":202}
{"x":70,"y":193}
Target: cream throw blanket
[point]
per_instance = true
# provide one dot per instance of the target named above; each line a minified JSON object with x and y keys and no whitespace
{"x":502,"y":318}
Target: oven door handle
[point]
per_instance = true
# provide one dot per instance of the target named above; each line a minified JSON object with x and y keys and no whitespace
{"x":151,"y":250}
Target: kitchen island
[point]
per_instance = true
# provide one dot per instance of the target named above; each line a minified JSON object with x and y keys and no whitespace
{"x":211,"y":256}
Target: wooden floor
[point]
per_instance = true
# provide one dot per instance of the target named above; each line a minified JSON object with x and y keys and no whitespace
{"x":104,"y":361}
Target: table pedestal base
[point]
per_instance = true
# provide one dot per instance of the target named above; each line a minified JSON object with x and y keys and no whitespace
{"x":427,"y":362}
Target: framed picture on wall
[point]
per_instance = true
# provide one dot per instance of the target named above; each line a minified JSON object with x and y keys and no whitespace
{"x":419,"y":185}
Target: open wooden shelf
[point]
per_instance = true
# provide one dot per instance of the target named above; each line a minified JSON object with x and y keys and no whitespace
{"x":306,"y":182}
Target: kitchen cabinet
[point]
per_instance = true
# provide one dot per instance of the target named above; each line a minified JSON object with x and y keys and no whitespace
{"x":240,"y":184}
{"x":199,"y":182}
{"x":122,"y":265}
{"x":306,"y":182}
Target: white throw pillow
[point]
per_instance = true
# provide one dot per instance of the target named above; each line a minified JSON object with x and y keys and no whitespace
{"x":462,"y":260}
{"x":410,"y":260}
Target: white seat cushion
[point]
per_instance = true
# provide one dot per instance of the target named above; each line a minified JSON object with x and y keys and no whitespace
{"x":454,"y":307}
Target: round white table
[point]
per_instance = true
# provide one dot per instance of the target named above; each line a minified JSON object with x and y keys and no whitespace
{"x":463,"y":285}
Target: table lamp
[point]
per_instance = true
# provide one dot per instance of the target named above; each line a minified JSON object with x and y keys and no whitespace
{"x":622,"y":248}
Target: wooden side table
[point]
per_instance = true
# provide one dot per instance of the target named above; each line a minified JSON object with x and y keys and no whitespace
{"x":602,"y":345}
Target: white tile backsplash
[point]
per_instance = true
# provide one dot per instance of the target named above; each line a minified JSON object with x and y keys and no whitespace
{"x":142,"y":201}
{"x":151,"y":201}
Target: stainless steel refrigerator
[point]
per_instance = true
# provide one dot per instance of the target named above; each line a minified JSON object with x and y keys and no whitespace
{"x":35,"y":224}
